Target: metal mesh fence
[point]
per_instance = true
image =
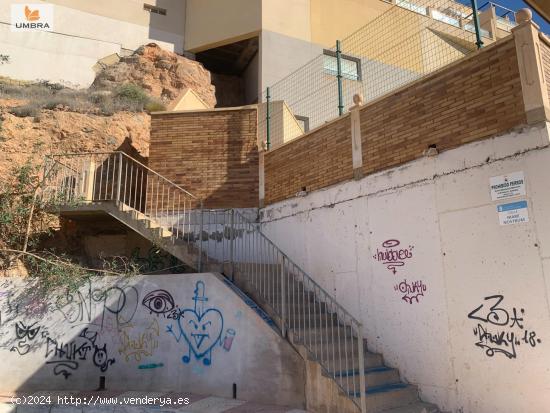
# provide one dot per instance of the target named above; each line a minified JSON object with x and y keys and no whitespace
{"x":410,"y":40}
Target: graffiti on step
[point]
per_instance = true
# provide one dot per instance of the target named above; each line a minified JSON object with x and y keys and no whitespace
{"x":201,"y":328}
{"x":500,"y":331}
{"x":137,"y":343}
{"x":412,"y":291}
{"x":392,"y":255}
{"x":92,"y":305}
{"x":66,"y":357}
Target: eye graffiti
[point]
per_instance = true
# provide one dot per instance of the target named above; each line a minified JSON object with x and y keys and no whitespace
{"x":24,"y":334}
{"x":159,"y":302}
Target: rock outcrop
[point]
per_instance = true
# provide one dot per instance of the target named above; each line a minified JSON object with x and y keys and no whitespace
{"x":161,"y":73}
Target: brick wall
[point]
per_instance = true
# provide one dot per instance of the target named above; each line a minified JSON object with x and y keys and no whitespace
{"x":314,"y":161}
{"x":473,"y":99}
{"x":212,"y":154}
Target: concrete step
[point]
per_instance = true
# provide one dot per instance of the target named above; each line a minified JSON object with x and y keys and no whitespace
{"x":315,"y":320}
{"x":348,"y":366}
{"x":416,"y":408}
{"x":374,"y":377}
{"x":390,"y":396}
{"x":316,"y":335}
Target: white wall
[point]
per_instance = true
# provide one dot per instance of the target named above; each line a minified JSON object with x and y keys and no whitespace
{"x":280,"y":55}
{"x":139,"y":333}
{"x":78,"y":41}
{"x":442,"y":208}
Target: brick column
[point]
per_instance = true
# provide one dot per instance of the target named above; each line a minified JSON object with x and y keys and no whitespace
{"x":356,"y":148}
{"x":533,"y":84}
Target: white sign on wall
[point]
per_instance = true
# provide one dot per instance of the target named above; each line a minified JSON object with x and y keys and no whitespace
{"x":513,"y":213}
{"x":507,"y":186}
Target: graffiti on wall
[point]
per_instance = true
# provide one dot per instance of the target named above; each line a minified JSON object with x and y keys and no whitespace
{"x":500,"y":331}
{"x":412,"y":291}
{"x":79,"y":330}
{"x":392,"y":255}
{"x":93,"y":305}
{"x":66,"y":357}
{"x":201,"y":328}
{"x":137,"y":343}
{"x":25,"y":335}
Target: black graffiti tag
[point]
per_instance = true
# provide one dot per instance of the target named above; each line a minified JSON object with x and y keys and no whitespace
{"x":503,"y":339}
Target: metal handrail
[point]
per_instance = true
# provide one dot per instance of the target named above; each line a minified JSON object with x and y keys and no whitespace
{"x":296,"y":265}
{"x":301,"y":305}
{"x":132,"y":159}
{"x":225,"y":238}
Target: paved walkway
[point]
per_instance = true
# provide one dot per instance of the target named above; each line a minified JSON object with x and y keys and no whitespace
{"x":128,"y":402}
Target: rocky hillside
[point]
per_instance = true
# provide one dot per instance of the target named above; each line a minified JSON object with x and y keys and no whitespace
{"x":161,"y":73}
{"x":57,"y":131}
{"x":37,"y":119}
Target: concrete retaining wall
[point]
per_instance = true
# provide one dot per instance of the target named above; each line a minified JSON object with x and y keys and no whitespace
{"x":187,"y":333}
{"x":456,"y":301}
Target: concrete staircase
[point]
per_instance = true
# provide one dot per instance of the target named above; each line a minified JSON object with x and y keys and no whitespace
{"x":342,"y":374}
{"x":318,"y":334}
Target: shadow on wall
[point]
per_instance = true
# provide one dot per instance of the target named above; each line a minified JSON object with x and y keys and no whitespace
{"x":149,"y":333}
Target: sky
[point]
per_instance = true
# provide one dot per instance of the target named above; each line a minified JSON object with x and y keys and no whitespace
{"x":516,"y":5}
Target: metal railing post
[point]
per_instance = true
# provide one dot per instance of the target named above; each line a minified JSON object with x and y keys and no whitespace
{"x":268,"y":120}
{"x":283,"y":301}
{"x":362,"y":385}
{"x":339,"y":77}
{"x":119,"y":179}
{"x":201,"y":226}
{"x":475,"y":16}
{"x":232,"y":245}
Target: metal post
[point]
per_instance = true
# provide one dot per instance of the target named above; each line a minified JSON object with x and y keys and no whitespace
{"x":475,"y":16}
{"x":119,"y":177}
{"x":268,"y":120}
{"x":232,"y":245}
{"x":199,"y":263}
{"x":339,"y":77}
{"x":362,"y":385}
{"x":283,"y":302}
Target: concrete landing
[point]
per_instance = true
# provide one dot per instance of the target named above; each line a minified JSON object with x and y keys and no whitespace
{"x":129,"y":402}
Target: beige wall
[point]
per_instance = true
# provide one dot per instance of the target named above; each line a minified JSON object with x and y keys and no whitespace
{"x":213,"y":23}
{"x":336,"y":19}
{"x":131,"y":11}
{"x":288,"y":17}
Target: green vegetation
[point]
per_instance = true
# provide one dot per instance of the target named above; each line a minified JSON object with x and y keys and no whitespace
{"x":25,"y":223}
{"x":47,"y":95}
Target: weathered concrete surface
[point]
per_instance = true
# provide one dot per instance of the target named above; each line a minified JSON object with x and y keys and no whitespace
{"x":433,"y":318}
{"x":177,"y":333}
